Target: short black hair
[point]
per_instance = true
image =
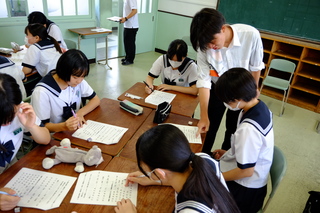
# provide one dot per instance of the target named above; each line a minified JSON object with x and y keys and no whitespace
{"x":10,"y":96}
{"x":73,"y":62}
{"x":37,"y":17}
{"x":205,"y":24}
{"x":236,"y":83}
{"x":179,"y":48}
{"x":36,"y":29}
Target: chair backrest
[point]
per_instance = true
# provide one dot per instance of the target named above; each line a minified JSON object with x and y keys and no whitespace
{"x":282,"y":65}
{"x":70,"y":44}
{"x":277,"y":171}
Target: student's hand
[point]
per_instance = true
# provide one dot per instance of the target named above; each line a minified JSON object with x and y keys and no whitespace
{"x":122,"y":20}
{"x":164,"y":87}
{"x":217,"y":154}
{"x":72,"y":123}
{"x":26,"y":115}
{"x":144,"y":181}
{"x":8,"y":202}
{"x":81,"y":120}
{"x":147,"y":90}
{"x":203,"y":126}
{"x":125,"y":206}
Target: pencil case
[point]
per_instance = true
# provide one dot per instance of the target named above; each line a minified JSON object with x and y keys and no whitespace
{"x":131,"y":107}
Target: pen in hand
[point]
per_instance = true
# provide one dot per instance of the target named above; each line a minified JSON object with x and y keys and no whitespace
{"x":148,"y":86}
{"x":75,"y":115}
{"x":6,"y":193}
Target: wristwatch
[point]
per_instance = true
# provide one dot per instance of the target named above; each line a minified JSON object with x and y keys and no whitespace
{"x":126,"y":18}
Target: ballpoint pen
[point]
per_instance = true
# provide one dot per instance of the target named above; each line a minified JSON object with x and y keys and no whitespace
{"x":148,"y":86}
{"x":6,"y":193}
{"x":74,"y":115}
{"x":148,"y":173}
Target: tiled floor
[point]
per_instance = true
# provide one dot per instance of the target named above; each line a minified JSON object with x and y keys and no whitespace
{"x":295,"y":132}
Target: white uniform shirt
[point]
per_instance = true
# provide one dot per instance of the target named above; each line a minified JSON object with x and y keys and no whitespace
{"x":251,"y":146}
{"x":10,"y":68}
{"x":48,"y":99}
{"x":11,"y":138}
{"x":245,"y":50}
{"x":186,"y":75}
{"x":42,"y":56}
{"x":55,"y":32}
{"x":128,"y":6}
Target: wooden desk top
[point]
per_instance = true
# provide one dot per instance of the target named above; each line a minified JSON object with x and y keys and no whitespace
{"x":129,"y":150}
{"x":88,"y":31}
{"x":182,"y":104}
{"x":33,"y":160}
{"x":109,"y":112}
{"x":150,"y":198}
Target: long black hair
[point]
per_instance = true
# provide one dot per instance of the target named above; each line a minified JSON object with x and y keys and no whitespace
{"x":39,"y":30}
{"x":10,"y":96}
{"x":236,"y":83}
{"x":205,"y":24}
{"x":165,"y":146}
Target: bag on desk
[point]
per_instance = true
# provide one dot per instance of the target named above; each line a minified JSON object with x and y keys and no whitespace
{"x":162,"y":112}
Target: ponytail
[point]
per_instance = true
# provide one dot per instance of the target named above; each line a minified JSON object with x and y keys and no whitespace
{"x":56,"y":44}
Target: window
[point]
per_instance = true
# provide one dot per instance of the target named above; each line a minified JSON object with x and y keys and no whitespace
{"x":16,"y":8}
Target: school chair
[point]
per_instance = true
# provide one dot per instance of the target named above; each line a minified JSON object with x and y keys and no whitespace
{"x":277,"y":171}
{"x":278,"y":80}
{"x":70,"y":44}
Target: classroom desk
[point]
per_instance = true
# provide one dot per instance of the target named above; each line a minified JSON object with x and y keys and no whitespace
{"x":33,"y":160}
{"x":109,"y":112}
{"x":182,"y":104}
{"x":129,"y":150}
{"x":159,"y":199}
{"x":87,"y":32}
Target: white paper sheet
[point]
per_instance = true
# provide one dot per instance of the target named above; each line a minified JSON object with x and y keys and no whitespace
{"x":100,"y":132}
{"x":41,"y":190}
{"x":114,"y":18}
{"x":100,"y":30}
{"x":157,"y":97}
{"x":103,"y":188}
{"x":190,"y":132}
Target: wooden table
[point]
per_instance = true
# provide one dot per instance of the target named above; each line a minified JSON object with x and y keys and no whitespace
{"x":150,"y":198}
{"x":182,"y":104}
{"x":87,"y":32}
{"x":109,"y":112}
{"x":33,"y":160}
{"x":129,"y":150}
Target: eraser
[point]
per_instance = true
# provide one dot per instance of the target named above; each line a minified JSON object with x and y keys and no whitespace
{"x":190,"y":123}
{"x":89,"y":139}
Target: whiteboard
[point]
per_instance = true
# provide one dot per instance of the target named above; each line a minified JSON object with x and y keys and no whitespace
{"x":185,"y":7}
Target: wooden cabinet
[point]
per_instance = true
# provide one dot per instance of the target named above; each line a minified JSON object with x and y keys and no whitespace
{"x":305,"y":85}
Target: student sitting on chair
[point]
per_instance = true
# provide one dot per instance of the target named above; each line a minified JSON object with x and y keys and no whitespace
{"x":9,"y":67}
{"x":15,"y":119}
{"x":178,"y":72}
{"x":43,"y":53}
{"x":246,"y":165}
{"x":59,"y":94}
{"x":164,"y":158}
{"x":53,"y":30}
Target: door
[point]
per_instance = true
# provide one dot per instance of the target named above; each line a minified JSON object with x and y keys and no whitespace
{"x":145,"y":39}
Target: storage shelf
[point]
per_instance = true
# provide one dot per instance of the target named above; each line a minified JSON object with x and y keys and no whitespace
{"x":305,"y":84}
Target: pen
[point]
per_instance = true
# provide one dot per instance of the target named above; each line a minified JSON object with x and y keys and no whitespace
{"x":148,"y":86}
{"x":6,"y":193}
{"x":74,"y":115}
{"x":140,"y":176}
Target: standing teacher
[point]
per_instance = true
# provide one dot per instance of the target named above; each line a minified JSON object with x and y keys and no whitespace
{"x":221,"y":47}
{"x":131,"y":26}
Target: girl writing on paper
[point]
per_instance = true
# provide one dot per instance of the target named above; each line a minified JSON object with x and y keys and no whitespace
{"x":57,"y":97}
{"x":165,"y":158}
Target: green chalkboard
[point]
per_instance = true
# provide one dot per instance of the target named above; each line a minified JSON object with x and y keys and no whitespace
{"x":297,"y":18}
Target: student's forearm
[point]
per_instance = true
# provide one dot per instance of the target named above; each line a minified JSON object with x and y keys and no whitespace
{"x":57,"y":127}
{"x":193,"y":90}
{"x":256,"y":76}
{"x":237,"y":173}
{"x":132,"y":13}
{"x":204,"y":95}
{"x":91,"y":105}
{"x":41,"y":135}
{"x":149,"y":81}
{"x":26,"y":70}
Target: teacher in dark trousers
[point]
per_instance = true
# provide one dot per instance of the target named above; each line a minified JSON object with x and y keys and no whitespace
{"x":131,"y":26}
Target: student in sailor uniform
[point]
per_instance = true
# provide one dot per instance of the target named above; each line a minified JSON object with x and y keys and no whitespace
{"x":43,"y":53}
{"x":9,"y":67}
{"x":15,"y":119}
{"x":178,"y":72}
{"x":59,"y":94}
{"x":52,"y":29}
{"x":246,"y":165}
{"x":164,"y":157}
